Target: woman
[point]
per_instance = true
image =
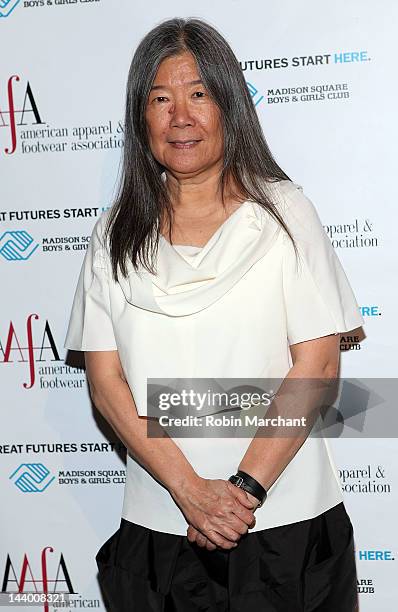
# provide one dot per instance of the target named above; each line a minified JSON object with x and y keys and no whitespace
{"x":191,"y":274}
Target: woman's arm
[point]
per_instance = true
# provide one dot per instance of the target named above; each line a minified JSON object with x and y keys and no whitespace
{"x":266,"y":457}
{"x":219,"y":509}
{"x":313,"y":360}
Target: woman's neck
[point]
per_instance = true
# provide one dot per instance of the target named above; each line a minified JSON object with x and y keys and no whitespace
{"x":198,"y":197}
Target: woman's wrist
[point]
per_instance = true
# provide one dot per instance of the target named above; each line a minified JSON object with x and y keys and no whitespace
{"x":254,"y":472}
{"x":250,"y":485}
{"x":182,"y":485}
{"x":253,"y":499}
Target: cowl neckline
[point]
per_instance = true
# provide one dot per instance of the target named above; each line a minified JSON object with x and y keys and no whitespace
{"x":183,"y":286}
{"x":203,"y":250}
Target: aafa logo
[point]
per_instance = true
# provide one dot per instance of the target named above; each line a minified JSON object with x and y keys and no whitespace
{"x":17,"y":116}
{"x":28,"y":583}
{"x":28,"y":352}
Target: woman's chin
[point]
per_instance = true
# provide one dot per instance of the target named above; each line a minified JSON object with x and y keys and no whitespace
{"x":186,"y":167}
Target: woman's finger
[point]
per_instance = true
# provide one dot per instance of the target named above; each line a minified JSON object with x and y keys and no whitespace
{"x":201,"y":539}
{"x":240,"y":495}
{"x":191,"y":533}
{"x":216,"y":538}
{"x":210,"y":545}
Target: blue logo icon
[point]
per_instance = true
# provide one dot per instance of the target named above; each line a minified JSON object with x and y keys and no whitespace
{"x":253,"y":92}
{"x":7,"y":6}
{"x":32,"y":477}
{"x":17,"y":245}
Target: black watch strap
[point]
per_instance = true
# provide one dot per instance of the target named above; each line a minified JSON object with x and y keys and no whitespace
{"x":249,"y":484}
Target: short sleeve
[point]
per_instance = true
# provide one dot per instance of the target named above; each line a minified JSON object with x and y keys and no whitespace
{"x":318,"y":297}
{"x":90,"y":325}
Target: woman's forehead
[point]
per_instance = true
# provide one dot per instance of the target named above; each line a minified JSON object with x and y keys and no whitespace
{"x":178,"y":69}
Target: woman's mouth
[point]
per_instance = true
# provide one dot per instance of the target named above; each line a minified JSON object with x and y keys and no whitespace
{"x":184,"y":144}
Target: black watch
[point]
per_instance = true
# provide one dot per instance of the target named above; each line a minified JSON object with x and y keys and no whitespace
{"x":249,"y":484}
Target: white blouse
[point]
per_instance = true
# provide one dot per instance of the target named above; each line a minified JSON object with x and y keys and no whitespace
{"x":230,"y":309}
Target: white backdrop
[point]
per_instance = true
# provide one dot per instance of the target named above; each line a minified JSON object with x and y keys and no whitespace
{"x":62,"y":82}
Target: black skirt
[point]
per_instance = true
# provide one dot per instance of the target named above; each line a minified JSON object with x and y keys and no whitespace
{"x":300,"y":567}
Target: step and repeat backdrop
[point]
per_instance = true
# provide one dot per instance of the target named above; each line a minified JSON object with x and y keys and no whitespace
{"x":323,"y":80}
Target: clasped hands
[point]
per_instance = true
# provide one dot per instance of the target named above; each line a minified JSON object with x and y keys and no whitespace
{"x":218,"y":512}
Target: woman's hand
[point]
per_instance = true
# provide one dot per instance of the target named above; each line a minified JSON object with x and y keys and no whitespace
{"x":201,"y":540}
{"x":217,"y":509}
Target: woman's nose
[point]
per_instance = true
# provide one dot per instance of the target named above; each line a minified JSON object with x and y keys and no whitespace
{"x":180,"y":115}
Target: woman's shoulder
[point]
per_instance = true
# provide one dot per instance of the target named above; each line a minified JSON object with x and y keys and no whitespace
{"x":292,"y":201}
{"x":99,"y":230}
{"x":284,"y":192}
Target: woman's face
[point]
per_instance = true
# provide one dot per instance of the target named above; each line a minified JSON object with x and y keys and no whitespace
{"x":183,"y":122}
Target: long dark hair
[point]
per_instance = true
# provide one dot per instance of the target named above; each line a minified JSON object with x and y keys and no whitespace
{"x":134,"y":219}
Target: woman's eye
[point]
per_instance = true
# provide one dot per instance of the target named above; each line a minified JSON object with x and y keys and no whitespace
{"x":199,"y":94}
{"x":160,"y":99}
